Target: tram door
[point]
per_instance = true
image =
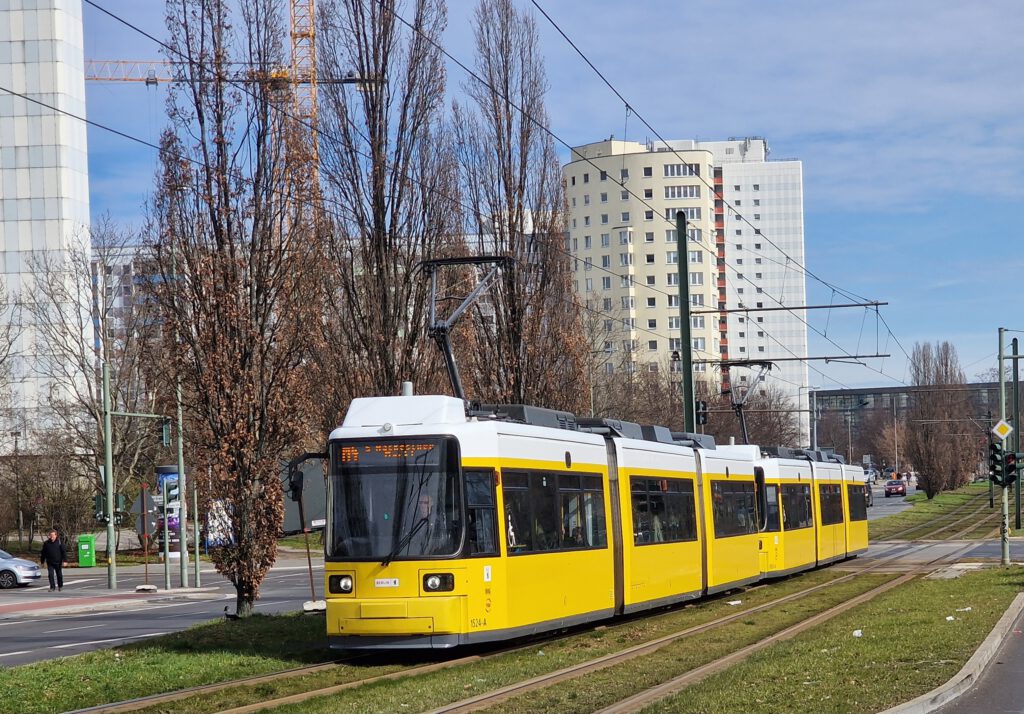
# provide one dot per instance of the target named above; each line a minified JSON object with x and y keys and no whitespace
{"x":768,"y":522}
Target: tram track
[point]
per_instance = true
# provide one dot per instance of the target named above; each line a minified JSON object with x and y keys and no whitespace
{"x":596,"y":664}
{"x":131,"y":705}
{"x":955,"y":516}
{"x":648,"y":696}
{"x":583,"y":668}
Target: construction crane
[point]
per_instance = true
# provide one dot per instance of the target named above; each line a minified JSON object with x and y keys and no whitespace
{"x":301,"y":135}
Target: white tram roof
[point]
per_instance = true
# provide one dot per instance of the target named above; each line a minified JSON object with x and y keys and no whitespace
{"x":369,"y":412}
{"x":375,"y":417}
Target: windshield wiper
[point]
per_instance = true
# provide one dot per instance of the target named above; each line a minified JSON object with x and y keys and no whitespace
{"x":404,"y":541}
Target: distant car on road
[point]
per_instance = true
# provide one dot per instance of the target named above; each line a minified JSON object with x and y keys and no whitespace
{"x":870,"y":474}
{"x":17,"y":571}
{"x":895,"y":488}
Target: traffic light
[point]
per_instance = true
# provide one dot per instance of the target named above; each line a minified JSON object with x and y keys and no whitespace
{"x":165,"y":432}
{"x":99,"y":511}
{"x":702,"y":411}
{"x":295,"y":484}
{"x":1009,"y":468}
{"x":995,"y":463}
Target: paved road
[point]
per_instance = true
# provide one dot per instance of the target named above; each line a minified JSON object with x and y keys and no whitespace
{"x":36,"y":624}
{"x":1001,"y":687}
{"x":886,"y":506}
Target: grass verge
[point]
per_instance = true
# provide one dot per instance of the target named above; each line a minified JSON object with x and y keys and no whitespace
{"x":435,"y":689}
{"x":605,"y":687}
{"x":925,"y":512}
{"x":207,"y":653}
{"x":907,"y":648}
{"x":229,"y":650}
{"x":298,"y":542}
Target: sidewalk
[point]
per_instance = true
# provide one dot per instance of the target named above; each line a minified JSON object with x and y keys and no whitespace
{"x":36,"y":599}
{"x":68,"y":603}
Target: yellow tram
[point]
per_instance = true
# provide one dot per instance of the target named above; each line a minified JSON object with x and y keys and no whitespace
{"x":449,"y":526}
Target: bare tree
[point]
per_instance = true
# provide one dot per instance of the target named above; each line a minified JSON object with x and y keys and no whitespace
{"x":770,"y":414}
{"x":935,"y":420}
{"x":389,"y":194}
{"x":116,"y":331}
{"x":832,"y":431}
{"x":882,"y":438}
{"x":531,"y":347}
{"x":233,"y":256}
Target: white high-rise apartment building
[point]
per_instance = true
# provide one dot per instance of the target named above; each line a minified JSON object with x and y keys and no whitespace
{"x":745,"y":254}
{"x":44,"y":186}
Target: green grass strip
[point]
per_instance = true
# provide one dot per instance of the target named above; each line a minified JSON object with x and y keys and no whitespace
{"x":907,"y":648}
{"x":224,"y":650}
{"x":602,"y":688}
{"x":203,"y":654}
{"x":439,"y":688}
{"x":927,"y":512}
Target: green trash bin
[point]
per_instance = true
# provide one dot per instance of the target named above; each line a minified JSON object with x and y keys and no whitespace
{"x":86,"y":551}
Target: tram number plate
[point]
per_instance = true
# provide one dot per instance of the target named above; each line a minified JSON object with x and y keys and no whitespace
{"x":386,"y":582}
{"x":478,"y":622}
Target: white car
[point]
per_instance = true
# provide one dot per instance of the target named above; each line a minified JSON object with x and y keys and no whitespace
{"x":17,"y":571}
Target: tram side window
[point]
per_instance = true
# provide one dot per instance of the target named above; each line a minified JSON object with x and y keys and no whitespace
{"x":663,"y":510}
{"x":552,"y":511}
{"x":771,"y":503}
{"x":593,"y":510}
{"x":858,"y":502}
{"x":516,"y":489}
{"x":796,"y":507}
{"x":831,"y":496}
{"x":733,"y":511}
{"x":482,"y":538}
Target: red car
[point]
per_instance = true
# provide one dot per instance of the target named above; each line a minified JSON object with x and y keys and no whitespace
{"x":897,"y":488}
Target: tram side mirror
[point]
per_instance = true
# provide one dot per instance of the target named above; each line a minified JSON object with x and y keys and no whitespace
{"x":295,"y":485}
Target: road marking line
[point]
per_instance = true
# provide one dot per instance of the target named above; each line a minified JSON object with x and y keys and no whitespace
{"x":12,"y":654}
{"x":100,"y":642}
{"x":69,"y":629}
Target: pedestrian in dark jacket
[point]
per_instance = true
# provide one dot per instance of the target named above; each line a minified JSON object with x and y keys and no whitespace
{"x":55,"y":556}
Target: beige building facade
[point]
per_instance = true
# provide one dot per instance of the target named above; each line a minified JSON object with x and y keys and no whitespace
{"x":622,"y":231}
{"x":744,"y":257}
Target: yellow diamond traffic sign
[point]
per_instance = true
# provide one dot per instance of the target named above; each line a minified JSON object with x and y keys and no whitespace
{"x":1002,"y":429}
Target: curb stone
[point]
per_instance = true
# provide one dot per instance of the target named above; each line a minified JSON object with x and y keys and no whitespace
{"x":966,"y":678}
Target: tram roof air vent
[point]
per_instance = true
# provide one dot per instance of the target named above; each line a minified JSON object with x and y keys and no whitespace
{"x":526,"y":414}
{"x":612,"y":427}
{"x":696,"y":441}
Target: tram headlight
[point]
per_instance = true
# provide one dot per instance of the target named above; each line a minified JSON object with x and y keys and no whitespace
{"x":342,"y":584}
{"x":438,"y":582}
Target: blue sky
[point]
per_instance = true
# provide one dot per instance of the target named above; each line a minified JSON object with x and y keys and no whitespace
{"x":908,"y":117}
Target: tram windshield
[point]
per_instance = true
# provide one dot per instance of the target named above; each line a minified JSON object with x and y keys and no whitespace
{"x":394,"y":499}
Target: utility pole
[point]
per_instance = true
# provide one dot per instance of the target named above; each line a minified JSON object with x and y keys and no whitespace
{"x":108,"y":473}
{"x":895,"y":434}
{"x":17,"y":486}
{"x":1004,"y":526}
{"x":685,"y":341}
{"x":814,"y":420}
{"x":182,"y":498}
{"x":1016,"y":430}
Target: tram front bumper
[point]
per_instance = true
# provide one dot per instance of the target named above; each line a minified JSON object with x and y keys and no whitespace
{"x":396,"y":616}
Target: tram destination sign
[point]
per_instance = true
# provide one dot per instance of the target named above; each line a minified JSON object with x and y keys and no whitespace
{"x":387,"y":453}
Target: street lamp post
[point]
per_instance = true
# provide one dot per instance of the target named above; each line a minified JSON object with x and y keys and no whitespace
{"x":17,"y":487}
{"x":849,"y":428}
{"x":849,"y":437}
{"x":895,"y":436}
{"x":812,"y":393}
